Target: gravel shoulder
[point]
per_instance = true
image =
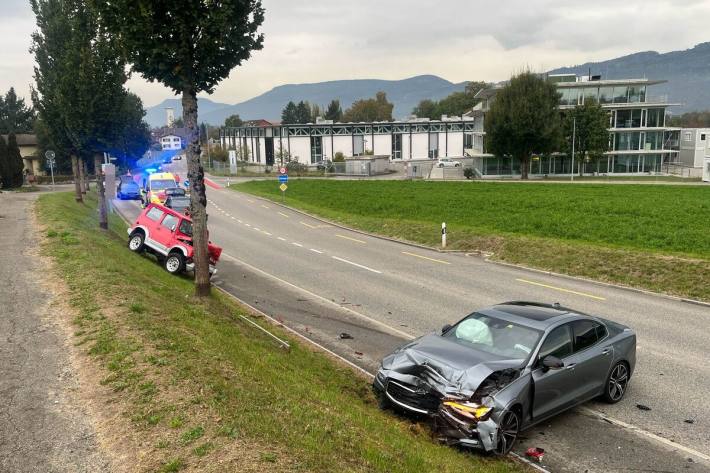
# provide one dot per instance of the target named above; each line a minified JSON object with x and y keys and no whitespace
{"x":45,"y":422}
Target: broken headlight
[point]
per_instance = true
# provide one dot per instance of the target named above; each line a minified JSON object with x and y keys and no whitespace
{"x":469,"y":410}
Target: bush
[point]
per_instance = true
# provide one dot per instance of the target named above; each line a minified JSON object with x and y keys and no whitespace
{"x":339,"y":157}
{"x":468,"y":173}
{"x":294,"y":167}
{"x":217,"y":153}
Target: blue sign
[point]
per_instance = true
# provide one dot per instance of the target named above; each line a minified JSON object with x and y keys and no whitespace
{"x":186,"y":183}
{"x":283,"y":178}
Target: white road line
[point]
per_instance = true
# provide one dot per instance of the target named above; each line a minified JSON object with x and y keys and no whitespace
{"x":316,"y":251}
{"x":358,"y":265}
{"x":307,"y":224}
{"x":266,"y":233}
{"x":645,"y":433}
{"x":281,"y":238}
{"x":351,"y":239}
{"x":561,"y":289}
{"x":247,"y":225}
{"x":239,"y":221}
{"x":297,"y":244}
{"x":257,"y":229}
{"x":233,"y":218}
{"x":265,"y":206}
{"x":284,"y":215}
{"x":327,"y":301}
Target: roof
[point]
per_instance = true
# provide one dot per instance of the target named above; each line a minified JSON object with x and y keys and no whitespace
{"x":24,"y":139}
{"x":530,"y":314}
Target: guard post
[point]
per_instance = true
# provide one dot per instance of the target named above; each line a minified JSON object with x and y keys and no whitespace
{"x":443,"y":234}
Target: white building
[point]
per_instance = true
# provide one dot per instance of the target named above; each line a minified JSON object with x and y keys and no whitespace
{"x":694,"y":146}
{"x":170,"y":142}
{"x":401,"y":140}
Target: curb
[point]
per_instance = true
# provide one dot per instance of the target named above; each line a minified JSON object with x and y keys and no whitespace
{"x":488,"y":260}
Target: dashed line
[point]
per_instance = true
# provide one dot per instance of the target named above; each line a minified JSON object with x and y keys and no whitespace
{"x":297,"y":244}
{"x":355,"y":264}
{"x":425,"y":257}
{"x":316,"y":251}
{"x":284,"y":215}
{"x":351,"y":239}
{"x":266,"y":233}
{"x":257,"y":229}
{"x":250,"y":201}
{"x":233,"y":218}
{"x":265,"y":206}
{"x":281,"y":238}
{"x":239,"y":221}
{"x":247,"y":225}
{"x":561,"y":289}
{"x":307,"y":225}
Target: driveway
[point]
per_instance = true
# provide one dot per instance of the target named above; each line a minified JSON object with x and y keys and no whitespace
{"x":43,"y":427}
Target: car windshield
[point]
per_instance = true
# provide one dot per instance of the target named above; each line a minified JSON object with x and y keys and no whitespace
{"x":186,"y":228}
{"x":126,"y":179}
{"x":180,"y":202}
{"x":160,"y":184}
{"x":495,"y":336}
{"x":175,"y":191}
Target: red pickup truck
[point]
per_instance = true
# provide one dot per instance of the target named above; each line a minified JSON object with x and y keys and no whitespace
{"x":168,"y":235}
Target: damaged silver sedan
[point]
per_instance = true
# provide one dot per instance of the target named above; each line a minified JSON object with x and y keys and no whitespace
{"x":506,"y":368}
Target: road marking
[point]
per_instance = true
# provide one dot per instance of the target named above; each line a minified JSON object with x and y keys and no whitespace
{"x":257,"y":229}
{"x":233,"y":218}
{"x":316,"y":251}
{"x":247,"y":225}
{"x":266,"y":233}
{"x":358,"y":265}
{"x":351,"y":239}
{"x":562,"y":289}
{"x":306,"y":224}
{"x":239,"y":221}
{"x":281,"y":238}
{"x":250,"y":201}
{"x":425,"y":257}
{"x":393,"y":330}
{"x":645,"y":433}
{"x":265,"y":206}
{"x":297,"y":244}
{"x":284,"y":215}
{"x":225,"y":213}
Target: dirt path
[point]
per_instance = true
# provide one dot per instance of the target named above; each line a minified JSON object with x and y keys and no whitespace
{"x":44,"y":425}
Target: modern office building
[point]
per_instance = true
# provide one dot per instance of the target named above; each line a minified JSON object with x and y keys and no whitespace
{"x":401,"y":140}
{"x":639,"y":140}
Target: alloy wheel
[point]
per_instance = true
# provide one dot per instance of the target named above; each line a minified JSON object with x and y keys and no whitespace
{"x":618,"y":380}
{"x":172,"y":264}
{"x":507,"y":432}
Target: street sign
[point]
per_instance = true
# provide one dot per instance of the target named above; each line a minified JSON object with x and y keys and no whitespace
{"x":282,"y":170}
{"x":49,"y":154}
{"x":186,"y":183}
{"x":283,"y":178}
{"x":283,"y":187}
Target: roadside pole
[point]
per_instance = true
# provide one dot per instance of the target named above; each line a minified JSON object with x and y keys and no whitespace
{"x":283,"y":179}
{"x":49,"y":154}
{"x":574,"y":137}
{"x":443,"y":234}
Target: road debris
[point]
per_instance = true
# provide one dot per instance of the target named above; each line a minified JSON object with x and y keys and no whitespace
{"x":689,"y":421}
{"x":536,"y":453}
{"x":345,"y":336}
{"x":642,"y":407}
{"x":358,"y":353}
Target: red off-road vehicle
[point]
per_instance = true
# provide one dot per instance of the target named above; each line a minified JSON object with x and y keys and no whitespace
{"x":168,"y":235}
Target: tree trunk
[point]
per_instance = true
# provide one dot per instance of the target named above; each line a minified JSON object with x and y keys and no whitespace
{"x":524,"y":166}
{"x":87,"y":187}
{"x":77,"y":178}
{"x":198,"y":196}
{"x":82,"y":180}
{"x":103,"y":212}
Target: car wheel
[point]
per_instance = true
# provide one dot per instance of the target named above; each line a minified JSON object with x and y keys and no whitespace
{"x":507,"y":432}
{"x":616,"y":383}
{"x":136,"y":242}
{"x":174,"y":263}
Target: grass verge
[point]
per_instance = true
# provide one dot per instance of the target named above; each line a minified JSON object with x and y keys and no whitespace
{"x":200,"y":390}
{"x":653,"y":237}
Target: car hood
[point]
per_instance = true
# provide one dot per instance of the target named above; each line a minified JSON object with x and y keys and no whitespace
{"x":448,"y":367}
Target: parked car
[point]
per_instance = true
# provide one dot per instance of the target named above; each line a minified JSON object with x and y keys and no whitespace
{"x":506,"y":368}
{"x":128,"y":189}
{"x":175,"y":191}
{"x":179,"y":203}
{"x":447,"y":162}
{"x":168,"y":235}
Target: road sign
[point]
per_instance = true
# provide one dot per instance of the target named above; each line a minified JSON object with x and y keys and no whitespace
{"x":283,"y":178}
{"x":283,"y":187}
{"x":49,"y":154}
{"x":282,"y":170}
{"x":186,"y":183}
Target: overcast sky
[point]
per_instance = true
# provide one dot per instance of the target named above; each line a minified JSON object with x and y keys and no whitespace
{"x":392,"y":39}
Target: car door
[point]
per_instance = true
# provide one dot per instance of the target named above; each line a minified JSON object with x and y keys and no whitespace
{"x":166,"y":230}
{"x":592,"y":358}
{"x":552,"y":387}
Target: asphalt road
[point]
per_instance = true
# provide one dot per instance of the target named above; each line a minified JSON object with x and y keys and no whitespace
{"x":323,"y":280}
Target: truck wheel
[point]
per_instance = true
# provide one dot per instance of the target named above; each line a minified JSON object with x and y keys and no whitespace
{"x":136,"y":242}
{"x":174,"y":263}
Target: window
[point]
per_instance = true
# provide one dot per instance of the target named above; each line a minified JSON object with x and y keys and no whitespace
{"x":154,"y":214}
{"x":397,"y":146}
{"x":655,"y":117}
{"x":585,"y":334}
{"x":621,"y":94}
{"x":186,"y":228}
{"x":433,"y":145}
{"x":316,"y":149}
{"x":687,"y":136}
{"x":606,"y":95}
{"x":468,"y":141}
{"x":558,"y":343}
{"x":169,"y":222}
{"x":702,"y":137}
{"x":358,"y":145}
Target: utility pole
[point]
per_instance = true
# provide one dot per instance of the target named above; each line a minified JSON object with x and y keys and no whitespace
{"x":574,"y":136}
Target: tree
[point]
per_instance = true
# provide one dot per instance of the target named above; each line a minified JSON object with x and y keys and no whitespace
{"x":289,"y":113}
{"x":426,"y":109}
{"x":303,"y":112}
{"x":334,"y":112}
{"x":455,"y":104}
{"x":700,"y":119}
{"x":524,"y":119}
{"x":233,"y":121}
{"x":12,"y":169}
{"x":133,"y":133}
{"x":316,"y":113}
{"x":15,"y":116}
{"x":588,"y":124}
{"x":370,"y":110}
{"x":178,"y":123}
{"x":4,"y":171}
{"x":189,"y":46}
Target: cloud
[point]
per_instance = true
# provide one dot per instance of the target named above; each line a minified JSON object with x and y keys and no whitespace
{"x":392,"y":39}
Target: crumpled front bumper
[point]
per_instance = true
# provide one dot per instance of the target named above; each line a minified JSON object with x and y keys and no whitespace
{"x":449,"y":427}
{"x":191,"y":267}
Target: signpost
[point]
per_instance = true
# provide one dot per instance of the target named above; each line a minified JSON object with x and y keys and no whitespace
{"x":49,"y":154}
{"x":283,"y":179}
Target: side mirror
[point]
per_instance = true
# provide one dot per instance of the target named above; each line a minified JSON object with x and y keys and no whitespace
{"x":552,"y":363}
{"x":445,"y":328}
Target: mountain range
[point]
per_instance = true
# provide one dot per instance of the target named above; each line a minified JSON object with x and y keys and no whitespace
{"x":687,"y":73}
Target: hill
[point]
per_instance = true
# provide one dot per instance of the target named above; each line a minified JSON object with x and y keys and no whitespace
{"x":687,"y":73}
{"x":404,"y":94}
{"x":155,"y":115}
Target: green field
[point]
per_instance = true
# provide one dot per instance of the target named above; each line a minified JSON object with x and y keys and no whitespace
{"x":199,"y":389}
{"x":612,"y":232}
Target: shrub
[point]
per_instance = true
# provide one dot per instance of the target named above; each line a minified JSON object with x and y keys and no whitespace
{"x":339,"y":157}
{"x":294,"y":167}
{"x":468,"y":173}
